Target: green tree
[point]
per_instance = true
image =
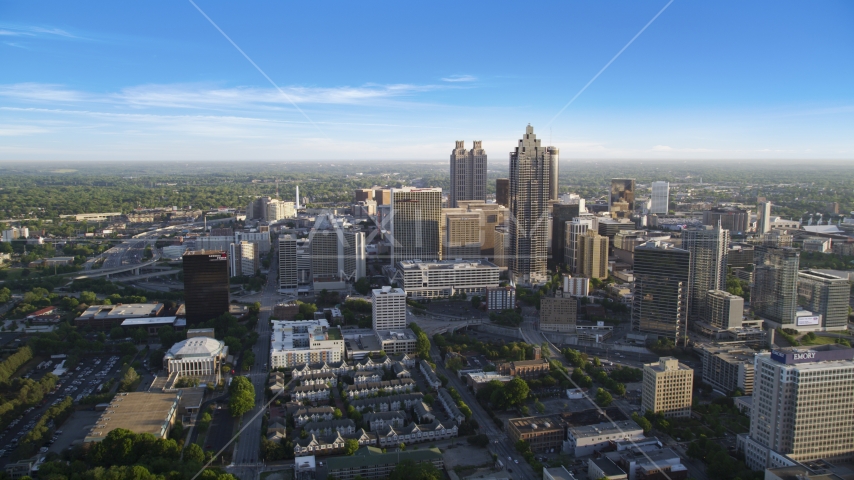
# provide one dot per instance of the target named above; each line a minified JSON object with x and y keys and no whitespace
{"x":241,"y":396}
{"x":336,"y":414}
{"x":117,"y":333}
{"x":475,"y":301}
{"x":409,"y":470}
{"x":603,"y":398}
{"x":363,"y":286}
{"x":88,"y":298}
{"x":194,"y":453}
{"x":255,"y":308}
{"x":350,"y":446}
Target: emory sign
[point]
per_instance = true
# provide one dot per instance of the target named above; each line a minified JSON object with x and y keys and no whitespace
{"x":825,"y":353}
{"x":804,"y":356}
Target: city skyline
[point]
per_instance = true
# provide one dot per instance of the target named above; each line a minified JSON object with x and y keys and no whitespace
{"x":98,"y":83}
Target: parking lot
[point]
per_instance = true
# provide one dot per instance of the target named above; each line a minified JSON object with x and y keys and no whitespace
{"x":85,"y":379}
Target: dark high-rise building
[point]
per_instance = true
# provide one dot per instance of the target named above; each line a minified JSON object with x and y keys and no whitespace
{"x":774,"y":295}
{"x":708,"y":247}
{"x":622,"y":192}
{"x":502,"y":191}
{"x":740,"y":255}
{"x":662,"y":289}
{"x":205,"y":285}
{"x":560,"y":215}
{"x":468,"y":173}
{"x":733,"y":219}
{"x":531,"y":168}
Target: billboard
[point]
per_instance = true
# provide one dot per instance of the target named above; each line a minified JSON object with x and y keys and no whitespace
{"x":814,"y":320}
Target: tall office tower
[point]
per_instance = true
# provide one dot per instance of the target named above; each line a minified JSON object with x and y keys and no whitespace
{"x":382,"y":196}
{"x":277,"y":210}
{"x":468,"y":173}
{"x":363,"y":195}
{"x":622,"y":198}
{"x":461,"y":234}
{"x":492,"y":216}
{"x":288,"y":262}
{"x":561,"y":215}
{"x":303,"y":259}
{"x":774,"y":295}
{"x":257,"y":208}
{"x":205,"y":285}
{"x":662,"y":288}
{"x":730,"y":218}
{"x":416,"y":214}
{"x":531,"y":167}
{"x":708,"y":247}
{"x":667,"y":387}
{"x":389,"y":308}
{"x":593,"y":255}
{"x":763,"y":224}
{"x":825,"y":294}
{"x":573,"y":232}
{"x":723,"y":309}
{"x":660,"y":198}
{"x":502,"y":191}
{"x":502,"y":247}
{"x":337,"y":254}
{"x":803,"y":406}
{"x":243,"y":259}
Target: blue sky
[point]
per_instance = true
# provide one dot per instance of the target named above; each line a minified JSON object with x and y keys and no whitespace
{"x":395,"y":80}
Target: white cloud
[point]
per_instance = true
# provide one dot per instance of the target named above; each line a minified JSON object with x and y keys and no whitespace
{"x":40,"y":92}
{"x":662,"y":148}
{"x":35,"y":31}
{"x":18,"y":130}
{"x":460,"y":78}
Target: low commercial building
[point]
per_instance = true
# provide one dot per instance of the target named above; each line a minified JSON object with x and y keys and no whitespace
{"x":650,"y":464}
{"x":500,"y":298}
{"x":444,"y":278}
{"x":527,"y":369}
{"x":200,"y":357}
{"x":604,"y":467}
{"x":558,"y":313}
{"x":372,"y":463}
{"x":397,"y":341}
{"x":139,"y":412}
{"x":588,"y":439}
{"x":667,"y":387}
{"x":727,"y":369}
{"x":308,"y":341}
{"x":152,"y":325}
{"x":109,"y":316}
{"x":557,"y":473}
{"x":543,"y":434}
{"x":479,"y":379}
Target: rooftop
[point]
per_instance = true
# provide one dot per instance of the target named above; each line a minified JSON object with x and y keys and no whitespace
{"x":445,"y":265}
{"x":604,"y":428}
{"x":372,"y":456}
{"x":608,"y":467}
{"x":139,"y":412}
{"x":132,"y":322}
{"x":129,"y":310}
{"x":560,"y":473}
{"x":196,"y":347}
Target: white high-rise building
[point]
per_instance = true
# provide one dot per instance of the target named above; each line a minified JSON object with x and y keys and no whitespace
{"x":763,"y":221}
{"x":243,"y":259}
{"x":389,"y":308}
{"x":660,"y":200}
{"x":287,"y":262}
{"x":803,"y":407}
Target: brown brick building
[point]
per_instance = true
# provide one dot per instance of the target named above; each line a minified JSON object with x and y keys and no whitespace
{"x":527,"y":369}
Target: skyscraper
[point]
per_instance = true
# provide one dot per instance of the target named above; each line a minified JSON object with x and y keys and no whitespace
{"x":561,"y":214}
{"x":803,"y":406}
{"x":243,"y":258}
{"x":502,"y":191}
{"x":593,"y":255}
{"x":662,"y":288}
{"x":763,"y":224}
{"x":205,"y":285}
{"x":660,"y":198}
{"x":730,"y":218}
{"x":574,"y":230}
{"x":621,"y":201}
{"x":461,"y":233}
{"x":531,"y":187}
{"x":416,"y":213}
{"x":468,"y":173}
{"x":774,"y":295}
{"x":708,"y":247}
{"x":825,"y":294}
{"x":288,"y":279}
